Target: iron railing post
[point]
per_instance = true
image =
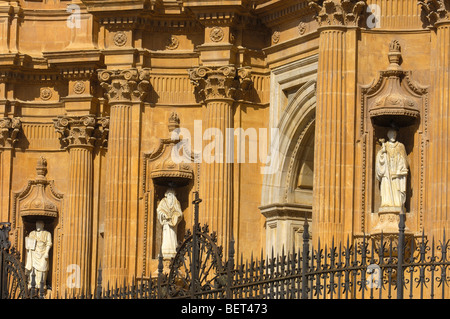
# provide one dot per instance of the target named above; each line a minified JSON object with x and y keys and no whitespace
{"x":160,"y":274}
{"x":305,"y":255}
{"x":99,"y":283}
{"x":195,"y":248}
{"x":400,"y":255}
{"x":230,"y":266}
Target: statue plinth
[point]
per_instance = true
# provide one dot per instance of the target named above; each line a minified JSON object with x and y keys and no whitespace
{"x":386,"y":232}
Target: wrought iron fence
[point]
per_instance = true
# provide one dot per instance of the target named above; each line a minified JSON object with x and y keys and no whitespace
{"x":368,"y":268}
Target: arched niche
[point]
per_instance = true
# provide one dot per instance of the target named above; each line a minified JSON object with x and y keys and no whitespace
{"x":287,"y":193}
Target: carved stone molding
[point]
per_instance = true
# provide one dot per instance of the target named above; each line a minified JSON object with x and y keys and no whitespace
{"x":84,"y":131}
{"x":435,"y":11}
{"x":222,"y":82}
{"x":338,"y":13}
{"x":131,"y":85}
{"x":9,"y":130}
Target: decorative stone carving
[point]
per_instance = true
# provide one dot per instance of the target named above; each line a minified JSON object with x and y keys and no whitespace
{"x":87,"y":130}
{"x":9,"y":130}
{"x":170,"y":163}
{"x":393,"y":100}
{"x":216,"y":34}
{"x":37,"y":203}
{"x":220,"y":82}
{"x":37,"y":245}
{"x":120,"y":39}
{"x":45,"y":94}
{"x":276,"y":37}
{"x":301,"y":28}
{"x":79,"y":87}
{"x":343,"y":13}
{"x":125,"y":85}
{"x":436,"y":11}
{"x":169,"y":215}
{"x":172,"y":43}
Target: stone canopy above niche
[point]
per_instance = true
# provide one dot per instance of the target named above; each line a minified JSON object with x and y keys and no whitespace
{"x":394,"y":99}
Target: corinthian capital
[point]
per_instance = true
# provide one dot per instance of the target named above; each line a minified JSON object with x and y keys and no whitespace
{"x":338,"y":12}
{"x":129,"y":85}
{"x":435,"y":11}
{"x":82,"y":131}
{"x":9,"y":130}
{"x":222,"y":82}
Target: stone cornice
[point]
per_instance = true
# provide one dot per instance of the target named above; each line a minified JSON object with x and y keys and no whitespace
{"x":338,"y":12}
{"x":436,"y":11}
{"x":82,"y":131}
{"x":220,"y":82}
{"x":125,"y":86}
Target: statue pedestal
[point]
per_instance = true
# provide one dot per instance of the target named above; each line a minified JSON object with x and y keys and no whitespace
{"x":387,"y":230}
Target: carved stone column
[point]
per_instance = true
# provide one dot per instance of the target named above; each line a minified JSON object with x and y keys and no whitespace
{"x":124,"y":90}
{"x":79,"y":135}
{"x":218,"y":88}
{"x":9,"y":130}
{"x":438,"y":202}
{"x":335,"y":119}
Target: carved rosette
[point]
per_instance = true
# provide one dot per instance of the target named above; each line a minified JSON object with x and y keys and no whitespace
{"x":338,"y":13}
{"x":9,"y":130}
{"x":131,"y":85}
{"x":224,"y":82}
{"x":435,"y":11}
{"x":84,"y":131}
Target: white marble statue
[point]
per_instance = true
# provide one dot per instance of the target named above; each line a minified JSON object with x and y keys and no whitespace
{"x":37,"y":245}
{"x":392,"y":170}
{"x":169,"y":215}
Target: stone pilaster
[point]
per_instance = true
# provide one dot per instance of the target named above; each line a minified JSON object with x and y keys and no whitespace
{"x":125,"y":89}
{"x":438,"y":202}
{"x":79,"y":135}
{"x":218,"y":88}
{"x":9,"y":132}
{"x":335,"y":119}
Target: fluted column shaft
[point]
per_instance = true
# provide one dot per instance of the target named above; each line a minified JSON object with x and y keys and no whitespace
{"x":218,"y":88}
{"x":118,"y":196}
{"x":216,"y":182}
{"x":124,"y":88}
{"x":334,"y":137}
{"x":439,"y":129}
{"x":79,"y":135}
{"x":78,"y":222}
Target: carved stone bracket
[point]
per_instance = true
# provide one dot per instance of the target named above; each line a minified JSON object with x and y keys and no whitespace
{"x":435,"y":11}
{"x":9,"y":130}
{"x":223,"y":82}
{"x":131,"y":85}
{"x":83,"y":131}
{"x":338,"y":13}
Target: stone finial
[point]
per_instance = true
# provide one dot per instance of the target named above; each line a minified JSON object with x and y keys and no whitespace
{"x":174,"y":121}
{"x":394,"y":55}
{"x":41,"y":168}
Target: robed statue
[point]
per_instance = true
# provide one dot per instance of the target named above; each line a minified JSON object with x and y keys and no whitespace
{"x":392,"y":170}
{"x":169,"y":215}
{"x":37,"y":245}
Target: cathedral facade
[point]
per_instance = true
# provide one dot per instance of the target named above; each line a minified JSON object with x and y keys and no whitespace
{"x":274,"y":111}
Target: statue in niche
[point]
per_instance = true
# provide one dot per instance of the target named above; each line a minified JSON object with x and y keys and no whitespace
{"x":392,"y":170}
{"x":169,"y":215}
{"x":37,"y":245}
